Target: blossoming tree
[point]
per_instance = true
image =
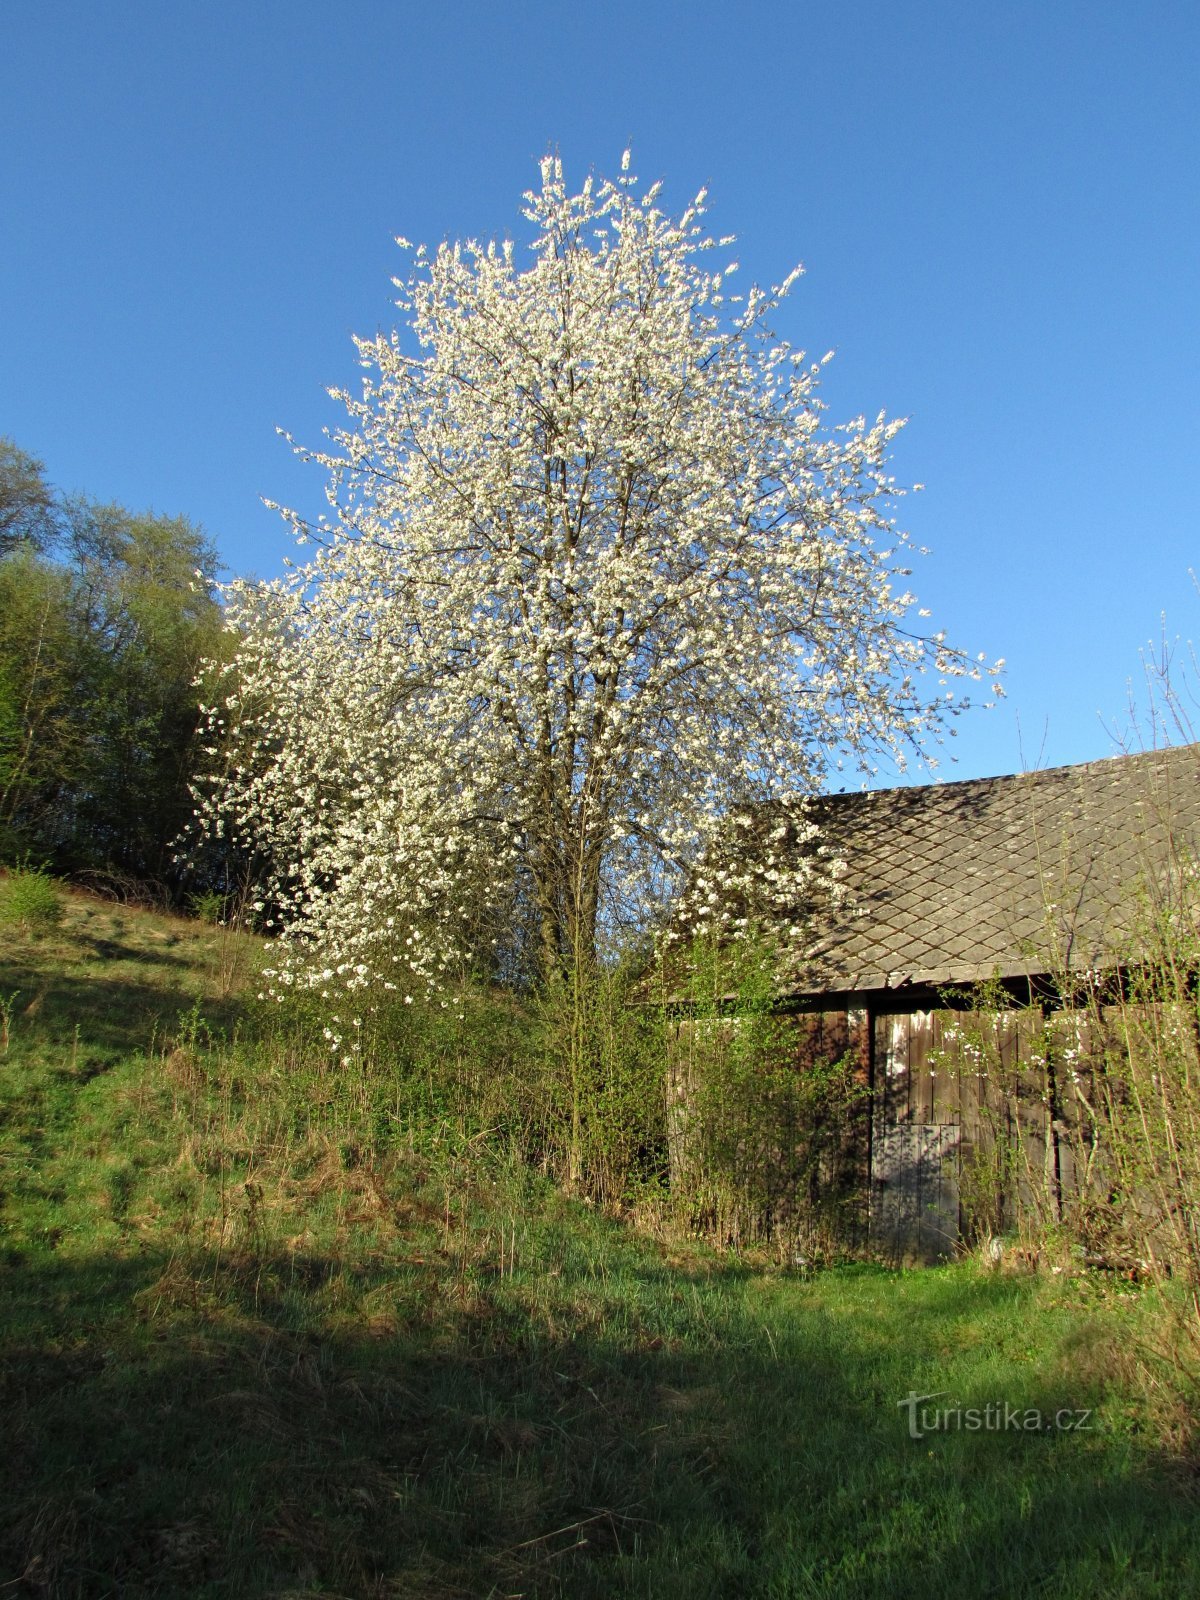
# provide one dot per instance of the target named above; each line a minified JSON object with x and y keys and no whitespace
{"x":595,"y":572}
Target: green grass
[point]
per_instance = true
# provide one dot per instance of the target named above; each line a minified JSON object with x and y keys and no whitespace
{"x":253,"y":1346}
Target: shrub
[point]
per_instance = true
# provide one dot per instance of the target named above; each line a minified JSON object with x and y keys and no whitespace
{"x":30,"y":902}
{"x":764,"y":1115}
{"x":208,"y":905}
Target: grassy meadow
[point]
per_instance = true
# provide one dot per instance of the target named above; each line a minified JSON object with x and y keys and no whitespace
{"x":257,"y":1340}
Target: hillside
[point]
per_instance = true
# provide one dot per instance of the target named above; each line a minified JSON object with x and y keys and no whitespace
{"x":261,"y":1339}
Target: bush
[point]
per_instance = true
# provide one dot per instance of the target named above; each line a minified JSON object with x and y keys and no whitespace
{"x":208,"y":905}
{"x":765,"y":1115}
{"x":30,"y":902}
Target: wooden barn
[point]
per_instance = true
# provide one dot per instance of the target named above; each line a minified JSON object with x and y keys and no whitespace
{"x":944,"y":941}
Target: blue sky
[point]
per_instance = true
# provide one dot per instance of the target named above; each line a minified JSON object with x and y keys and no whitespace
{"x":998,"y":210}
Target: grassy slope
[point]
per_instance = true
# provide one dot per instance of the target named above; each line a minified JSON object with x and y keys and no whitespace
{"x":246,"y":1352}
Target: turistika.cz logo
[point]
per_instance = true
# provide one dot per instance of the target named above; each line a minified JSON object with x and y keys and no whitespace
{"x":998,"y":1416}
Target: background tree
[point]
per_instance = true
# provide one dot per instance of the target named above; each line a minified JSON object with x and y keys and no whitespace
{"x":595,"y":573}
{"x":28,"y":508}
{"x":41,"y":670}
{"x":99,"y":649}
{"x":144,"y":605}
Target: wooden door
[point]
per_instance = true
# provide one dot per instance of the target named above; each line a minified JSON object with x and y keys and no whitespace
{"x":914,"y":1192}
{"x":915,"y":1135}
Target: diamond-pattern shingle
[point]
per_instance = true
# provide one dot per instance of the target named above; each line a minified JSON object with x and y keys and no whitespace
{"x":1033,"y":873}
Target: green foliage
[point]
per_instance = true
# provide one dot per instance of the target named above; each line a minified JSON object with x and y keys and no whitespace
{"x":99,"y":650}
{"x":764,"y":1125}
{"x":148,"y":621}
{"x":208,"y":905}
{"x":42,"y":740}
{"x":1136,"y":1103}
{"x":30,"y":903}
{"x":592,"y":1087}
{"x":480,"y":1067}
{"x":28,"y":511}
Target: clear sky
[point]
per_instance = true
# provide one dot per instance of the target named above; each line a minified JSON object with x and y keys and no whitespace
{"x":998,"y":210}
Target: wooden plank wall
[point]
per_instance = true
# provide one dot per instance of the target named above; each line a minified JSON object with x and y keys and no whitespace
{"x":973,"y":1106}
{"x":955,"y":1097}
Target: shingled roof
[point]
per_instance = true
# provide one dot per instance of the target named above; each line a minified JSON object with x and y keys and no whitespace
{"x":1011,"y":876}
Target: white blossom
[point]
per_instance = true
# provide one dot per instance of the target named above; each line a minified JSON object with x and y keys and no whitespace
{"x":594,"y":576}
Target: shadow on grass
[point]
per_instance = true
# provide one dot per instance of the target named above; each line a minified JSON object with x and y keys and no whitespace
{"x":112,"y":1013}
{"x":270,"y":1425}
{"x":99,"y":948}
